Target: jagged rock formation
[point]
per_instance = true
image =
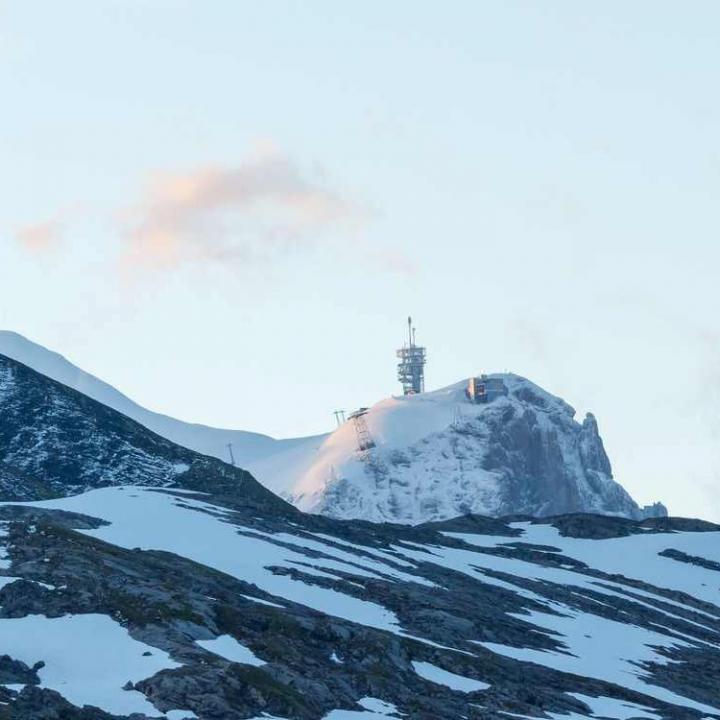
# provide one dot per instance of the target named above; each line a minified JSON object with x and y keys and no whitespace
{"x":438,"y":456}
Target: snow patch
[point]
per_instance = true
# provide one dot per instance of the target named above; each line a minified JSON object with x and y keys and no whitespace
{"x":603,"y":649}
{"x":433,"y":673}
{"x":613,"y":708}
{"x":153,"y":520}
{"x":229,"y":648}
{"x":373,"y":709}
{"x":377,"y":706}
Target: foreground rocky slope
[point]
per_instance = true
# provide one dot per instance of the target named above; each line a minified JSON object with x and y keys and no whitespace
{"x":168,"y":603}
{"x":195,"y":593}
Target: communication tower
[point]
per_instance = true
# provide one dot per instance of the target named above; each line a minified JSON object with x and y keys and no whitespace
{"x":411,"y":368}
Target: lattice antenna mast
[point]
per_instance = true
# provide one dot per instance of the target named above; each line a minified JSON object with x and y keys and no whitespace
{"x":411,"y":368}
{"x":232,"y":457}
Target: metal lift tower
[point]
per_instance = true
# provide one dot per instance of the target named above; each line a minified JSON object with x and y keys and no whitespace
{"x":411,"y":368}
{"x":365,"y":442}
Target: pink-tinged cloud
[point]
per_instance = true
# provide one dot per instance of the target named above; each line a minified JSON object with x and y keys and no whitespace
{"x":40,"y":237}
{"x":394,"y":261}
{"x":245,"y":213}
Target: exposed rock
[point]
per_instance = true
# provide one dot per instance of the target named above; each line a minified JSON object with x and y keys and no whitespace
{"x":438,"y":456}
{"x":55,"y":441}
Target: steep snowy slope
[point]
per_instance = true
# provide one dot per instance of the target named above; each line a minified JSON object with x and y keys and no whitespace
{"x":247,"y":446}
{"x":438,"y":455}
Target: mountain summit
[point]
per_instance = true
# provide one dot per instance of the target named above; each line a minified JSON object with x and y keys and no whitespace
{"x":438,"y":455}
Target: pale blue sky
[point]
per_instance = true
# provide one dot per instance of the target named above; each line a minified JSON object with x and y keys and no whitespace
{"x":536,"y":182}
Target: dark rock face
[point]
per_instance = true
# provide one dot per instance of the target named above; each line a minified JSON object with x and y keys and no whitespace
{"x":13,"y":671}
{"x":54,"y":441}
{"x":549,"y":464}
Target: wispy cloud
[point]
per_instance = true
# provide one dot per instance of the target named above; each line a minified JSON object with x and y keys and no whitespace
{"x":268,"y":208}
{"x":41,"y":237}
{"x":255,"y":210}
{"x":394,"y":260}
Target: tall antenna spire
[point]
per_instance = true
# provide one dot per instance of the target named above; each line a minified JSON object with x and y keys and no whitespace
{"x":411,"y":368}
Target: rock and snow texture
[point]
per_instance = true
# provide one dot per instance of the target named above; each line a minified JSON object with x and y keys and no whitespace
{"x":55,"y":441}
{"x":248,"y":447}
{"x":583,"y":616}
{"x":190,"y":591}
{"x":438,"y":456}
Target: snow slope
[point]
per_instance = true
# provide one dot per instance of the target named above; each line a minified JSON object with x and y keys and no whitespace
{"x":248,"y":447}
{"x":189,"y":527}
{"x":70,"y":647}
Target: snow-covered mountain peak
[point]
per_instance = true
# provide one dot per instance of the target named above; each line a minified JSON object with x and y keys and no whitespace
{"x":439,"y":455}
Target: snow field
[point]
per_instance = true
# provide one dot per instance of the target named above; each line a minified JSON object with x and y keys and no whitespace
{"x":593,"y":645}
{"x":140,"y":517}
{"x":78,"y":662}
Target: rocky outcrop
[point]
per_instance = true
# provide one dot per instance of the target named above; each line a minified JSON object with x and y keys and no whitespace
{"x":547,"y":463}
{"x":55,"y":441}
{"x":523,"y":453}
